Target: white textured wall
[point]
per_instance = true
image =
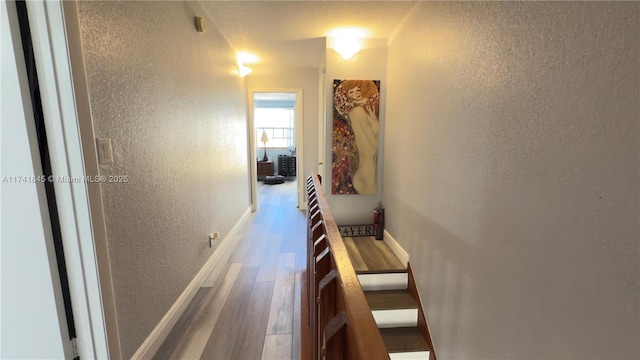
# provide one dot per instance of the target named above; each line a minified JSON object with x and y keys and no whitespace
{"x":307,"y":80}
{"x":176,"y":115}
{"x":512,"y":175}
{"x":368,"y":64}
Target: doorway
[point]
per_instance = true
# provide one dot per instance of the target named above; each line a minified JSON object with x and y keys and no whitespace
{"x":276,"y":138}
{"x":45,"y":159}
{"x":50,"y":41}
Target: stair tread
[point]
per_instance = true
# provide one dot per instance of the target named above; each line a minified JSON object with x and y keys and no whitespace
{"x":390,"y":300}
{"x":384,"y":271}
{"x":403,"y":339}
{"x":369,"y":255}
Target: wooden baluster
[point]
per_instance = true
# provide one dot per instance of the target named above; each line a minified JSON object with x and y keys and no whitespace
{"x":315,"y":250}
{"x":315,"y":217}
{"x":326,"y":306}
{"x":315,"y":230}
{"x":316,"y":233}
{"x":322,"y":268}
{"x":318,"y":229}
{"x":319,"y":245}
{"x":333,"y":340}
{"x":311,"y":198}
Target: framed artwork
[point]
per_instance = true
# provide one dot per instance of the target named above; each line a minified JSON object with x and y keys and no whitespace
{"x":356,"y":107}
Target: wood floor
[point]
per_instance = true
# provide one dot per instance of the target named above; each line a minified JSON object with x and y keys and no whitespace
{"x":369,"y":255}
{"x":252,"y":311}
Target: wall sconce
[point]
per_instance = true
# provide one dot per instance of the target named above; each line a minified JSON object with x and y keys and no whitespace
{"x":346,"y":47}
{"x":347,"y":41}
{"x":244,"y":70}
{"x":245,"y":58}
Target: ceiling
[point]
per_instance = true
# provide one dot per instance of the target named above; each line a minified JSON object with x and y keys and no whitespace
{"x":292,"y":34}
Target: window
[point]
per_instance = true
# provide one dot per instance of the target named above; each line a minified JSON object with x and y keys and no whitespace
{"x":277,"y":123}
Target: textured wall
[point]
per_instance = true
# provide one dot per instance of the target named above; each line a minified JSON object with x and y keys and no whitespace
{"x":176,"y":115}
{"x":369,"y":64}
{"x":512,"y":175}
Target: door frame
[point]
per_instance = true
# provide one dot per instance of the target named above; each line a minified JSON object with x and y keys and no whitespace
{"x":322,"y":123}
{"x":51,"y":36}
{"x":253,"y":151}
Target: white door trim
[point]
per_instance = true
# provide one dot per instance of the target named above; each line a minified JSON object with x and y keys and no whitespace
{"x":32,"y":310}
{"x":299,"y":144}
{"x":47,"y":25}
{"x":322,"y":123}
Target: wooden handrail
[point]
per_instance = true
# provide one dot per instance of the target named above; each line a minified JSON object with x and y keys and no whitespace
{"x":334,"y":292}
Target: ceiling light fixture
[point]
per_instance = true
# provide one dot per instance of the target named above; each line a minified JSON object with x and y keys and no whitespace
{"x":245,"y":58}
{"x":347,"y":41}
{"x":244,"y":70}
{"x":346,"y":47}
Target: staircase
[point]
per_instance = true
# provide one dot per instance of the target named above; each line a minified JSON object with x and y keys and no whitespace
{"x":388,"y":285}
{"x":358,"y":300}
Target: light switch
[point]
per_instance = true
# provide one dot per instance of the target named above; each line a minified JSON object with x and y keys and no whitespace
{"x":105,"y":155}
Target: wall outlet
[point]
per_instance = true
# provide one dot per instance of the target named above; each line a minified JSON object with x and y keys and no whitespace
{"x":213,"y":237}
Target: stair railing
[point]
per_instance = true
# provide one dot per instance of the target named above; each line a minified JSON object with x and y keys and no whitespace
{"x":341,"y":325}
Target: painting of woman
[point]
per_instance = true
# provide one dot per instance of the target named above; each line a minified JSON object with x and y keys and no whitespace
{"x":355,"y":136}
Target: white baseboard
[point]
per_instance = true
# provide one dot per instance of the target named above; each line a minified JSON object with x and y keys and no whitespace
{"x":396,"y":248}
{"x":149,"y":347}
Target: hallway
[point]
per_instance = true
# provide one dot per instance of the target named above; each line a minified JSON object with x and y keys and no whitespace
{"x":252,"y":310}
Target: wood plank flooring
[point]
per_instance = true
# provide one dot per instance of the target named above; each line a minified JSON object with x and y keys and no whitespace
{"x":252,"y":310}
{"x":369,"y":255}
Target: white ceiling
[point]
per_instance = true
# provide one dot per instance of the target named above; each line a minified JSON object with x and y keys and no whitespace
{"x":291,"y":33}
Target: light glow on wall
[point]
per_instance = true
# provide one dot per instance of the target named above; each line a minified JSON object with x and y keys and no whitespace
{"x":247,"y":58}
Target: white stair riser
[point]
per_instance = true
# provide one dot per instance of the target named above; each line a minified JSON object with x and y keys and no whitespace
{"x":396,"y":318}
{"x":416,"y":355}
{"x":375,"y":282}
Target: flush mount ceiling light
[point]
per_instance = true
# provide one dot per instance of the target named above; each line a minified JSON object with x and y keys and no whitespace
{"x":245,"y":58}
{"x":347,"y":42}
{"x":244,"y":70}
{"x":346,"y":47}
